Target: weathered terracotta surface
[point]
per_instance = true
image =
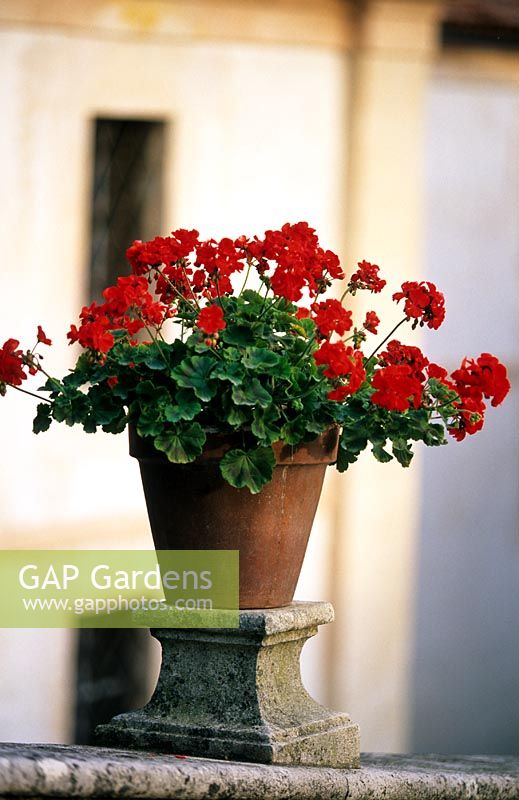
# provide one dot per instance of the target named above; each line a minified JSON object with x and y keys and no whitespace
{"x":191,"y":507}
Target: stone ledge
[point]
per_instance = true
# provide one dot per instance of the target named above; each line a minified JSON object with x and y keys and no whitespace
{"x":54,"y":771}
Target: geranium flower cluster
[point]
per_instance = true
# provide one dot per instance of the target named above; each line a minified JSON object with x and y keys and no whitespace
{"x":424,"y":304}
{"x":282,"y":361}
{"x":16,"y":365}
{"x":475,"y":380}
{"x":128,"y":306}
{"x":403,"y":380}
{"x":290,"y":261}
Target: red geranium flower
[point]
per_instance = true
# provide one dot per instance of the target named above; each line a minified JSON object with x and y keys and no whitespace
{"x":338,"y":359}
{"x":357,"y":376}
{"x":398,"y":353}
{"x":42,"y":337}
{"x":330,"y":316}
{"x":161,"y":250}
{"x":436,"y":371}
{"x":396,"y":387}
{"x":300,"y":261}
{"x":470,"y":420}
{"x":219,"y":260}
{"x":11,"y":363}
{"x":371,"y":322}
{"x":210,"y":319}
{"x":423,"y":302}
{"x":288,"y":284}
{"x":484,"y":377}
{"x":366,"y":277}
{"x":95,"y":335}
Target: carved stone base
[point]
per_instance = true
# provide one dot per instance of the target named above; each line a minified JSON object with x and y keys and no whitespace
{"x":237,"y":694}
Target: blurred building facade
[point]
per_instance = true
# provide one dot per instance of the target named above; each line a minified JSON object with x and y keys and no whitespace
{"x":392,"y":126}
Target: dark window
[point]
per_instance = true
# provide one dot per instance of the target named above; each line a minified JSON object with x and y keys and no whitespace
{"x":481,"y":23}
{"x":126,"y":196}
{"x":112,"y":671}
{"x":112,"y":664}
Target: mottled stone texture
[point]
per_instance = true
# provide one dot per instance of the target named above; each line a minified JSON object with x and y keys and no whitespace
{"x":52,"y":771}
{"x":237,"y":694}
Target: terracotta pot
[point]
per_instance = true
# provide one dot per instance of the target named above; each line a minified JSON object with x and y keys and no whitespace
{"x":191,"y":507}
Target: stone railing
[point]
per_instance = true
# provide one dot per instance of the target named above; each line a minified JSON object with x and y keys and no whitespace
{"x":230,"y":702}
{"x":52,"y":771}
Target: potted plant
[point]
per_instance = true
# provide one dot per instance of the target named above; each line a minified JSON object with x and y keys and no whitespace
{"x":240,"y":382}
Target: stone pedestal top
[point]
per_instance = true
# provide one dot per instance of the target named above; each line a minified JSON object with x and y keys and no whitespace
{"x":52,"y":771}
{"x":295,"y":617}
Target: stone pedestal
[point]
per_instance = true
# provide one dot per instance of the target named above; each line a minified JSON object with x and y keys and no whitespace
{"x":237,"y":694}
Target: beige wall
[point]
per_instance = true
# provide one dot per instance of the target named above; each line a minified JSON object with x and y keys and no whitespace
{"x":373,"y":546}
{"x":465,"y":685}
{"x":275,"y":112}
{"x":255,"y":137}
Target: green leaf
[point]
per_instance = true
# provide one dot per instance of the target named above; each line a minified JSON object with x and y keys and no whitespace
{"x":260,"y":359}
{"x":307,"y":324}
{"x":89,"y":425}
{"x":150,"y":395}
{"x":187,"y":407}
{"x":315,"y":427}
{"x":42,"y":421}
{"x":229,"y":371}
{"x":251,"y":394}
{"x":53,"y":386}
{"x":354,"y":438}
{"x":71,"y":408}
{"x":294,"y":431}
{"x":237,"y":416}
{"x":345,"y":457}
{"x":182,"y":445}
{"x":263,"y":425}
{"x":402,"y":452}
{"x":198,"y":345}
{"x":193,"y":373}
{"x":121,"y":390}
{"x":126,"y":354}
{"x":117,"y":425}
{"x":149,"y":424}
{"x":435,"y":435}
{"x":254,"y":301}
{"x":155,"y":361}
{"x":239,"y":335}
{"x":252,"y":469}
{"x":105,"y":408}
{"x":380,"y":454}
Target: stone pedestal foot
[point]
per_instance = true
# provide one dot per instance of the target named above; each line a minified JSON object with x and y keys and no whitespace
{"x":237,"y":694}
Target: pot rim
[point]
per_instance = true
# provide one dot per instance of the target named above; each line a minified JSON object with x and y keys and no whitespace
{"x":320,"y":450}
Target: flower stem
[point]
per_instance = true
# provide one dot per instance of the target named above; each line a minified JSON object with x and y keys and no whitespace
{"x":267,"y":306}
{"x":246,"y":278}
{"x":179,"y":294}
{"x":154,"y":339}
{"x":343,"y":295}
{"x":382,"y":343}
{"x":308,"y":391}
{"x":40,"y":369}
{"x":307,"y":350}
{"x":26,"y":391}
{"x":184,"y":273}
{"x":264,"y":300}
{"x":218,"y":293}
